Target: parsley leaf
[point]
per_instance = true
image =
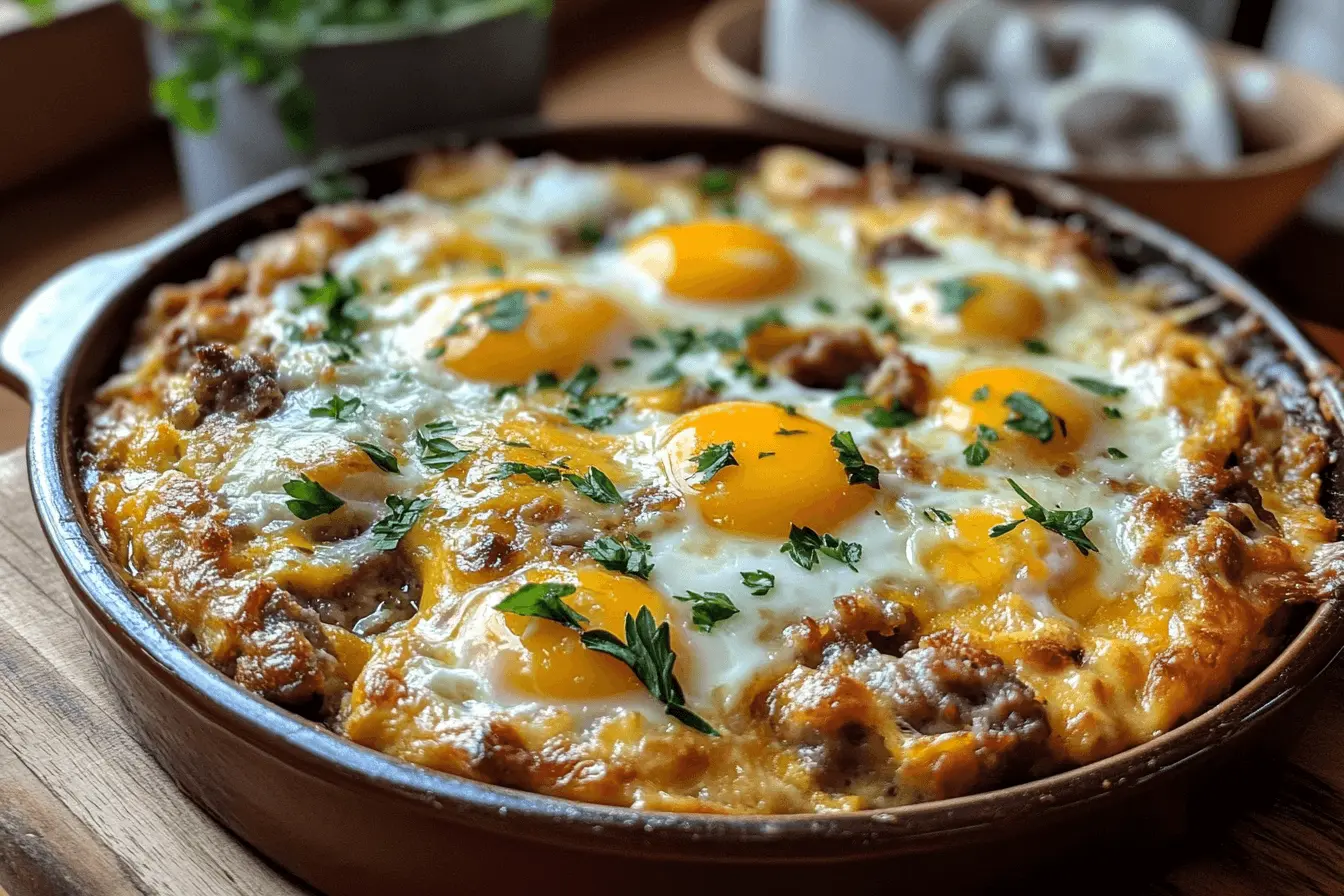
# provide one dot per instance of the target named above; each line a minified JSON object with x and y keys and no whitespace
{"x":545,"y":379}
{"x":718,"y":182}
{"x":708,"y":608}
{"x":644,"y":344}
{"x":679,"y":342}
{"x":713,"y":459}
{"x":337,"y":408}
{"x":1036,"y":346}
{"x":401,"y":516}
{"x":955,"y":293}
{"x":596,"y":486}
{"x":743,"y":368}
{"x":852,"y":394}
{"x":1116,"y":453}
{"x":804,"y":544}
{"x":543,"y":601}
{"x":975,"y":453}
{"x":759,"y":581}
{"x":1100,"y":387}
{"x":669,"y":374}
{"x":823,"y":305}
{"x":785,"y":431}
{"x":504,"y":313}
{"x":631,"y":558}
{"x":1067,"y":523}
{"x":1032,"y":417}
{"x":756,"y":321}
{"x":1112,"y":413}
{"x":934,"y":515}
{"x":590,"y":233}
{"x":581,"y":383}
{"x":722,"y":340}
{"x":894,"y":417}
{"x":338,"y":297}
{"x":858,"y":471}
{"x":596,"y":411}
{"x":437,"y":452}
{"x":384,"y":459}
{"x":980,"y":394}
{"x":308,"y":499}
{"x":647,"y":650}
{"x":514,"y":468}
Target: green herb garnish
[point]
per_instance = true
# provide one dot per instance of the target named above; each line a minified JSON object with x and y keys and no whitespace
{"x":514,"y":468}
{"x":857,"y":469}
{"x":436,"y":451}
{"x":708,"y":608}
{"x":338,"y":297}
{"x":337,"y":408}
{"x":805,"y":544}
{"x":1116,"y":453}
{"x":1068,"y":523}
{"x":934,"y":515}
{"x":894,"y":417}
{"x":758,"y":581}
{"x":631,"y":558}
{"x":955,"y":293}
{"x":596,"y":411}
{"x":713,"y":459}
{"x":1112,"y":413}
{"x":1032,"y":417}
{"x":757,"y":321}
{"x":718,"y":182}
{"x":542,"y":600}
{"x":823,"y":305}
{"x":402,"y":514}
{"x":384,"y":459}
{"x":1036,"y":346}
{"x":980,"y":394}
{"x":581,"y":383}
{"x":595,"y":485}
{"x":308,"y":499}
{"x":1100,"y":387}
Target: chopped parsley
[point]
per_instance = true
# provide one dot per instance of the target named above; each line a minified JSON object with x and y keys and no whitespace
{"x":762,"y":455}
{"x":934,"y":515}
{"x":543,"y":600}
{"x":1112,"y":413}
{"x":669,"y":374}
{"x":679,"y":342}
{"x":722,"y":340}
{"x":757,"y":321}
{"x":647,"y":650}
{"x":785,"y":431}
{"x":337,"y":408}
{"x":384,"y":459}
{"x":1068,"y":523}
{"x":504,"y":391}
{"x":823,"y":305}
{"x":708,"y":608}
{"x":980,"y":394}
{"x":1100,"y":387}
{"x":595,"y":411}
{"x":758,"y":581}
{"x":852,"y":395}
{"x":621,"y":363}
{"x":581,"y":383}
{"x":1036,"y":346}
{"x":743,"y":368}
{"x":894,"y":417}
{"x":718,"y":182}
{"x":644,"y":344}
{"x":857,"y":469}
{"x":1116,"y":453}
{"x":805,"y":544}
{"x":595,"y":485}
{"x":308,"y":499}
{"x":545,"y":379}
{"x":504,"y":314}
{"x":401,"y":516}
{"x":512,"y":468}
{"x":955,"y":293}
{"x":1032,"y":417}
{"x":977,"y":452}
{"x":436,"y":451}
{"x":590,"y":233}
{"x":876,"y":313}
{"x":713,"y":459}
{"x":631,"y":558}
{"x":344,"y":315}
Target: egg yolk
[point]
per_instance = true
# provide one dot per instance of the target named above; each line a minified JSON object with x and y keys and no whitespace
{"x":1023,"y":560}
{"x":1001,"y":309}
{"x":983,"y":397}
{"x":786,"y":473}
{"x":714,"y":260}
{"x":504,"y":331}
{"x":546,"y":659}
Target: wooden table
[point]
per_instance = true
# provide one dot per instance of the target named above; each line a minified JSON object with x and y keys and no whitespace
{"x":83,"y":810}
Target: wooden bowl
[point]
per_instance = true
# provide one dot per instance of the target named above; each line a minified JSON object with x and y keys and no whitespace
{"x":1294,"y":130}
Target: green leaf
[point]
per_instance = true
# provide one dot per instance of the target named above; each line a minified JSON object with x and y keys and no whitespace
{"x":1100,"y":387}
{"x":756,"y":321}
{"x":955,"y":293}
{"x":384,"y":459}
{"x":544,"y":379}
{"x":590,"y":233}
{"x":1004,"y":528}
{"x":718,"y":182}
{"x":668,"y":374}
{"x":402,"y":515}
{"x":934,"y":515}
{"x":595,"y":485}
{"x":679,"y":342}
{"x":976,"y":453}
{"x":823,"y":305}
{"x":713,"y":459}
{"x":804,"y":545}
{"x":437,"y":452}
{"x":758,"y":581}
{"x":542,"y":600}
{"x":722,"y":340}
{"x":852,"y":395}
{"x":847,"y":552}
{"x":538,"y":474}
{"x":980,"y":394}
{"x":581,"y":383}
{"x":308,"y":499}
{"x":744,"y":369}
{"x":1112,"y":413}
{"x":1032,"y":417}
{"x":859,"y":471}
{"x":1116,"y":453}
{"x":644,"y":344}
{"x":1036,"y":346}
{"x":647,"y":650}
{"x":708,"y":608}
{"x":894,"y":417}
{"x":338,"y":297}
{"x":631,"y":558}
{"x":337,"y":408}
{"x":1067,"y":523}
{"x":187,"y":102}
{"x":596,"y":411}
{"x":986,"y":433}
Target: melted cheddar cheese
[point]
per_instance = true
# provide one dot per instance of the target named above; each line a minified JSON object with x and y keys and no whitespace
{"x":705,"y":491}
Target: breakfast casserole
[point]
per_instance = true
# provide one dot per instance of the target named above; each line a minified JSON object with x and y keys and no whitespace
{"x":793,"y":488}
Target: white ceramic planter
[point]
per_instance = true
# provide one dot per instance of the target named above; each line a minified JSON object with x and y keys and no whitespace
{"x":364,"y":92}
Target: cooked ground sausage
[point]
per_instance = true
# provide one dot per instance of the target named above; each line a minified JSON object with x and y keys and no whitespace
{"x":900,"y":380}
{"x":221,"y":382}
{"x":284,"y":658}
{"x":899,"y":247}
{"x":826,"y":359}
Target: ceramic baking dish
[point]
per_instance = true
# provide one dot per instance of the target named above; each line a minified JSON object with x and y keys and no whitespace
{"x":352,"y":821}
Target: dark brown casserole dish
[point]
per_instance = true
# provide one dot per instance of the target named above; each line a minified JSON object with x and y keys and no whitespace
{"x":414,"y":807}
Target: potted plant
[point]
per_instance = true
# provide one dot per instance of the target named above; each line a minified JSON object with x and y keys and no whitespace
{"x":255,"y":86}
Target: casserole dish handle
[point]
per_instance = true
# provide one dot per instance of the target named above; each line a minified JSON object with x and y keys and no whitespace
{"x":42,"y":333}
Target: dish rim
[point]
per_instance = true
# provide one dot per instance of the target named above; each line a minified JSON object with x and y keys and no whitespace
{"x":125,"y":278}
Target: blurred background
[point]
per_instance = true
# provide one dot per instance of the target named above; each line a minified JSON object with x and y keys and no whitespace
{"x":1220,"y":118}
